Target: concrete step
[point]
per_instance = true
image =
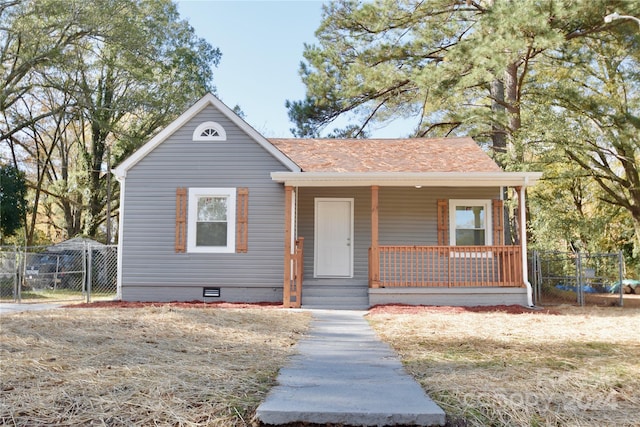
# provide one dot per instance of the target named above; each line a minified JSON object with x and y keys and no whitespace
{"x":335,"y":295}
{"x":327,"y":304}
{"x":335,"y":298}
{"x":317,"y":291}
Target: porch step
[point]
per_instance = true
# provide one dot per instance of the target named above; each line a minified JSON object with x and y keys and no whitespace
{"x":332,"y":295}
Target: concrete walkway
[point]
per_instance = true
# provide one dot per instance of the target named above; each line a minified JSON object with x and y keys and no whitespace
{"x":345,"y":375}
{"x":10,"y":307}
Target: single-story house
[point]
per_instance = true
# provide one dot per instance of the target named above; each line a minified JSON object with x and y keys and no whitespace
{"x":211,"y":210}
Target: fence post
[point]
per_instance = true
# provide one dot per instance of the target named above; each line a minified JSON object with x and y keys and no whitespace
{"x":23,"y":274}
{"x":620,"y":277}
{"x":87,"y":269}
{"x":16,"y":272}
{"x":580,"y":298}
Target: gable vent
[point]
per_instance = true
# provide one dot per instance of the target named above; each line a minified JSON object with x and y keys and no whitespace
{"x":211,"y":292}
{"x":209,"y":131}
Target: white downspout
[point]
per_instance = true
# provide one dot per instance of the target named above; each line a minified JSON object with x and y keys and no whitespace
{"x":121,"y":180}
{"x":523,"y":244}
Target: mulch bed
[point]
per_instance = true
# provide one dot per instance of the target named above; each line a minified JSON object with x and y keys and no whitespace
{"x":378,"y":309}
{"x":177,"y":304}
{"x":414,"y":309}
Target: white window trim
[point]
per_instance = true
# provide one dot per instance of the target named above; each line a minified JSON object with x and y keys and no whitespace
{"x":197,"y":134}
{"x":192,"y":216}
{"x":454,"y":203}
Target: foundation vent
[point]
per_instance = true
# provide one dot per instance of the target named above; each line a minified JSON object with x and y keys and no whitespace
{"x":211,"y":292}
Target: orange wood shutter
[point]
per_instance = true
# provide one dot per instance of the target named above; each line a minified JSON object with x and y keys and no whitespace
{"x":443,"y":222}
{"x":242,"y":220}
{"x":498,"y":222}
{"x":181,"y":220}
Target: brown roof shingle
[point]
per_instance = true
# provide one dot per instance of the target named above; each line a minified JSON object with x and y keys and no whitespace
{"x":387,"y":155}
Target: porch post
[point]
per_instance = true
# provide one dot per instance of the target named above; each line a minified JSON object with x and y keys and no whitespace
{"x":286,"y":290}
{"x":523,"y":242}
{"x":374,"y":268}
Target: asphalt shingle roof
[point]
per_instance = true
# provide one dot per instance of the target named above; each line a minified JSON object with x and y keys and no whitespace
{"x":387,"y":155}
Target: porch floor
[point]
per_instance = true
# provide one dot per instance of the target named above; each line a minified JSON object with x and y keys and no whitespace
{"x":344,"y":375}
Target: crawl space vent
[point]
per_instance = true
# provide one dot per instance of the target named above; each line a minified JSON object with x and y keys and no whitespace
{"x":211,"y":292}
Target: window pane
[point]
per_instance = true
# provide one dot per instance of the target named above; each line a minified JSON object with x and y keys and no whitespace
{"x":212,"y":209}
{"x":470,"y":217}
{"x":470,"y":237}
{"x":211,"y":234}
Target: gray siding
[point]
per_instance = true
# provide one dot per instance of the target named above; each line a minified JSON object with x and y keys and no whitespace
{"x":151,"y":269}
{"x":407,"y":216}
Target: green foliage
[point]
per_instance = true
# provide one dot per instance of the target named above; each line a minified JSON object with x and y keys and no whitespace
{"x":86,"y":83}
{"x":13,"y":191}
{"x":584,"y":130}
{"x":432,"y":61}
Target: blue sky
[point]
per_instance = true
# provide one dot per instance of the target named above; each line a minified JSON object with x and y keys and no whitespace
{"x":262,"y":44}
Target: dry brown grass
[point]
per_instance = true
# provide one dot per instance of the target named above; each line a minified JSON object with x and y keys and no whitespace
{"x":141,"y":366}
{"x":578,"y":368}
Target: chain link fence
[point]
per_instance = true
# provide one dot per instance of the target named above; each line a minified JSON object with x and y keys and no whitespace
{"x":578,"y":277}
{"x":64,"y":272}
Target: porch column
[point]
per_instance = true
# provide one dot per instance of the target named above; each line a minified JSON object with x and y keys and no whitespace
{"x":286,"y":290}
{"x":523,"y":242}
{"x":374,"y":267}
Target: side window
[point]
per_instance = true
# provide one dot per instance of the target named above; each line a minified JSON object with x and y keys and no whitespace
{"x":470,"y":222}
{"x":211,"y":220}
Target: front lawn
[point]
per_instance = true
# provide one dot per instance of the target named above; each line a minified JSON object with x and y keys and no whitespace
{"x":193,"y":365}
{"x":162,"y":365}
{"x":580,"y":366}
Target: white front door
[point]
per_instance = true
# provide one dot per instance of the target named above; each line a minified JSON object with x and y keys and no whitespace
{"x":334,"y":238}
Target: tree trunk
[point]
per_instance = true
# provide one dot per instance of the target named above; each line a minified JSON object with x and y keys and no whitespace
{"x":95,"y":187}
{"x":512,"y":102}
{"x":498,"y":136}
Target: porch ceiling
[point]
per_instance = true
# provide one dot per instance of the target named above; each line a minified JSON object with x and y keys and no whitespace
{"x":407,"y":179}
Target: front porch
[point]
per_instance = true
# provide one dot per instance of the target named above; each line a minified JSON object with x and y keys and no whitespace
{"x":429,"y":274}
{"x":425,"y":275}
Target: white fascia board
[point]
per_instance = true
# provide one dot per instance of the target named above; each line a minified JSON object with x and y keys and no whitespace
{"x":402,"y":179}
{"x":209,"y":99}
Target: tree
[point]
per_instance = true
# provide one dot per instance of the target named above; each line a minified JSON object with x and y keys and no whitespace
{"x":128,"y":73}
{"x":593,"y":91}
{"x":13,"y":192}
{"x":35,"y":35}
{"x":455,"y":67}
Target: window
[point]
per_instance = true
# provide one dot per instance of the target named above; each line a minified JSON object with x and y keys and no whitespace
{"x":209,"y":131}
{"x":470,"y":222}
{"x":211,"y":220}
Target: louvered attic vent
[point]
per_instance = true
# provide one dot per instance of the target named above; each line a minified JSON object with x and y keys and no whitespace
{"x":211,"y":292}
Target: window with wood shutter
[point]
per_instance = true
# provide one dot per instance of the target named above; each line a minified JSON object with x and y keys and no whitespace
{"x":498,"y":222}
{"x":242,"y":220}
{"x":467,"y":222}
{"x":470,"y":222}
{"x":211,"y":220}
{"x":443,"y":223}
{"x":207,"y":222}
{"x":181,"y":220}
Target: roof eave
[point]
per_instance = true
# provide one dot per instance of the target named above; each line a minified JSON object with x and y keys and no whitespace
{"x":402,"y":179}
